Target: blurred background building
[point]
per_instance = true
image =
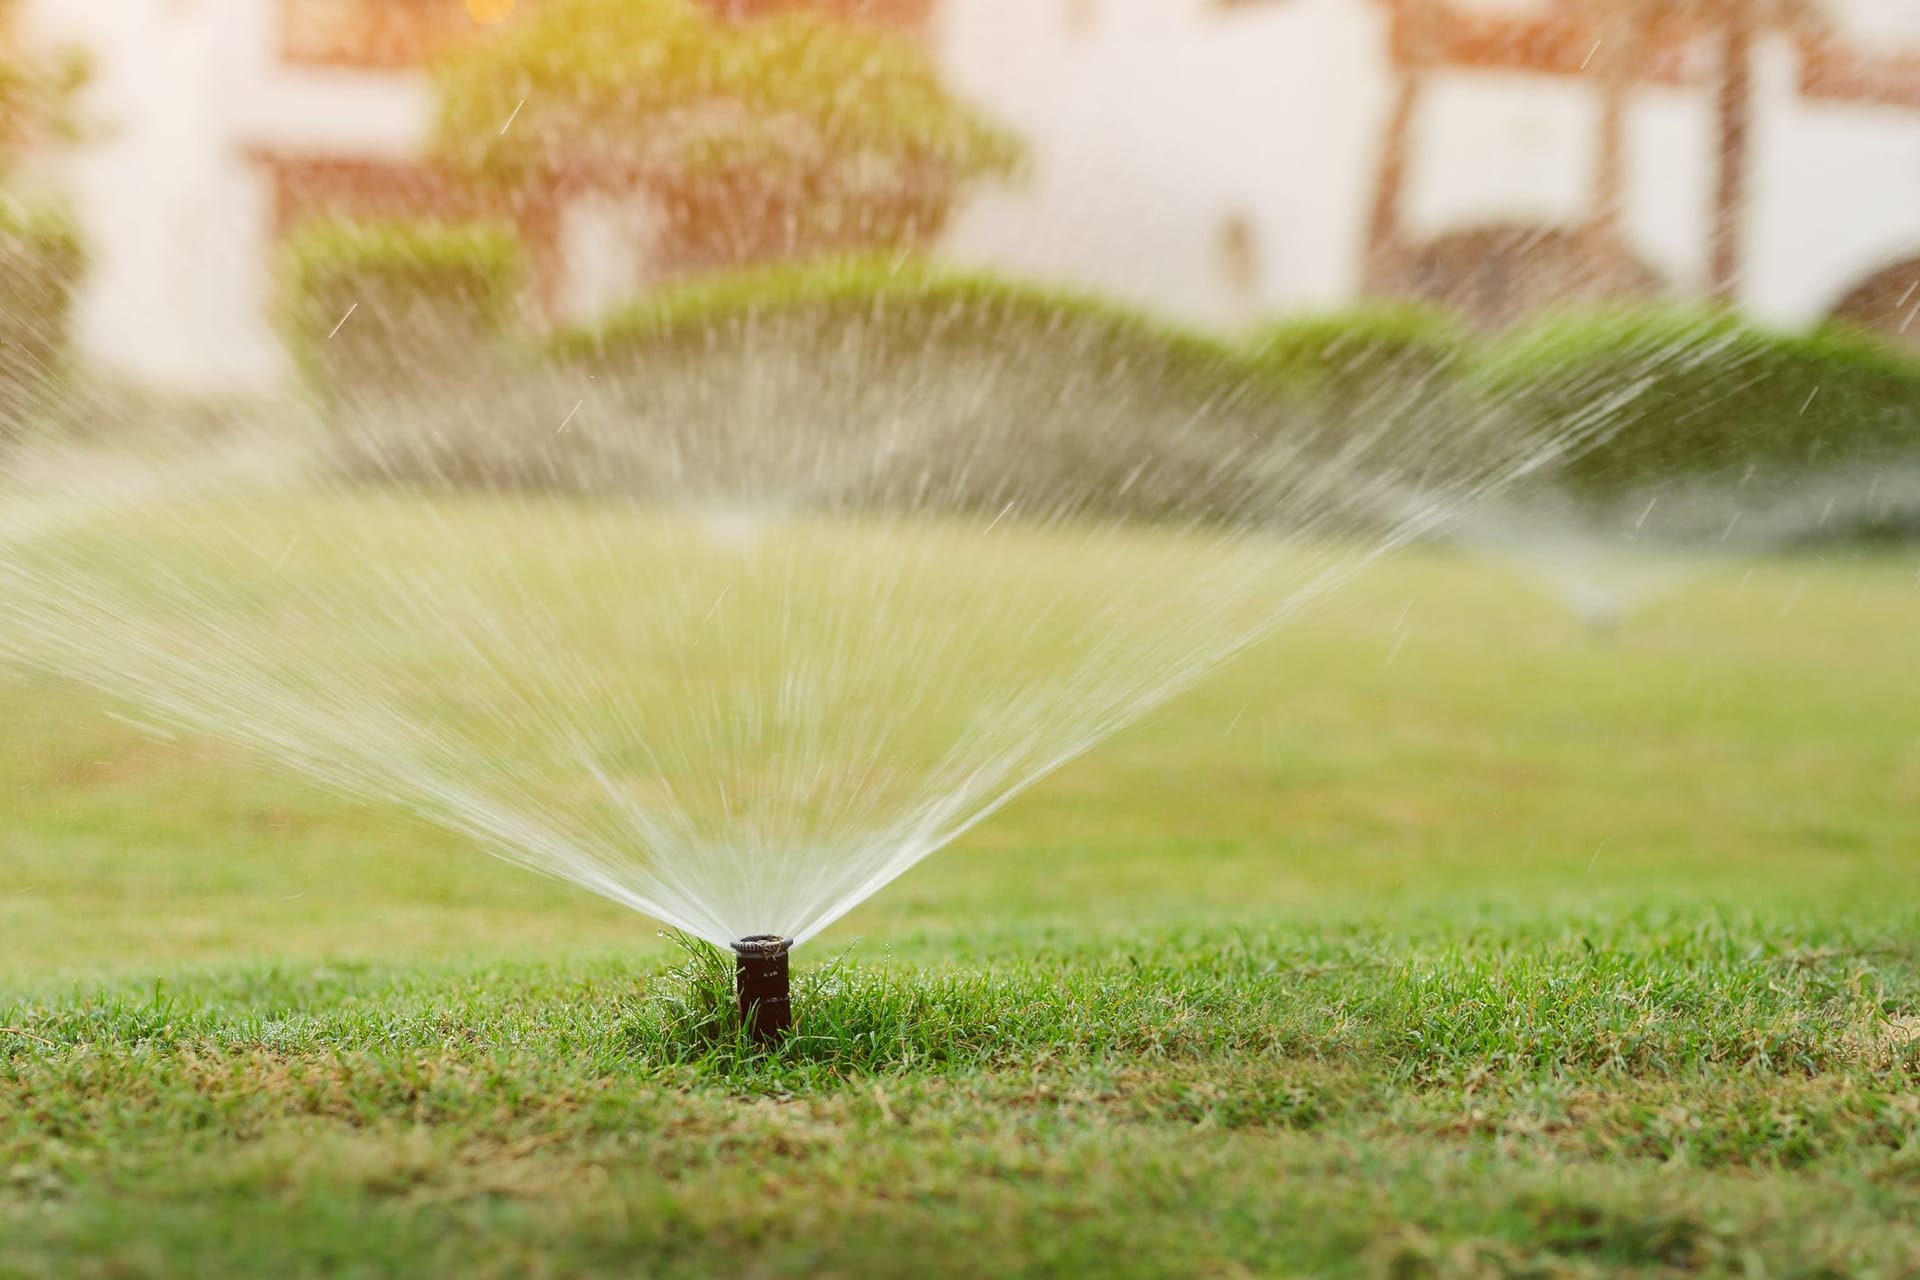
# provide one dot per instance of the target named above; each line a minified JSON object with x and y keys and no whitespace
{"x":1225,"y":159}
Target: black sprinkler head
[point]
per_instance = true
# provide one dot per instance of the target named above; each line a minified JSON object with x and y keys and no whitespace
{"x":760,"y":979}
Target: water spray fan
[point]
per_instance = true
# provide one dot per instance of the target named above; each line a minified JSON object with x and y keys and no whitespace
{"x":827,"y":618}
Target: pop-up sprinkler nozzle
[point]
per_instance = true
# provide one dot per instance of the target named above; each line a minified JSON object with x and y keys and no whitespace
{"x":760,"y":979}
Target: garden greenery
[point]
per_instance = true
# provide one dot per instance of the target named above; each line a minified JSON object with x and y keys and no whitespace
{"x":819,"y":131}
{"x":41,"y":256}
{"x":1687,"y":395}
{"x":41,"y":261}
{"x":368,"y":302}
{"x":1704,"y":395}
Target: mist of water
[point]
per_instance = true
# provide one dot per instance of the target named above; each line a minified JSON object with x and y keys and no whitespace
{"x":734,"y":643}
{"x":1606,"y":559}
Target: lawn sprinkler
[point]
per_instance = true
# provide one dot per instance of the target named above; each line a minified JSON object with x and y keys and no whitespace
{"x":760,"y":979}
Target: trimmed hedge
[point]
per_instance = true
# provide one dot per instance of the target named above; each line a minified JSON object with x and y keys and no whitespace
{"x":41,"y":265}
{"x":1391,"y":380}
{"x":400,"y":330}
{"x":1694,"y":397}
{"x":884,"y":381}
{"x":919,"y":304}
{"x":377,"y":304}
{"x":1345,"y":357}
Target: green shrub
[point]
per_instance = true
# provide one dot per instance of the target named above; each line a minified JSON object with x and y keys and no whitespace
{"x":1385,"y":382}
{"x":1680,"y":397}
{"x":400,"y":330}
{"x":41,"y":264}
{"x":888,"y":381}
{"x":906,"y":305}
{"x":1346,"y":357}
{"x":878,"y":382}
{"x":375,"y":305}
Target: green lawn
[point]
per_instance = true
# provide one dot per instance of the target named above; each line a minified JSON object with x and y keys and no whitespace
{"x":1431,"y":938}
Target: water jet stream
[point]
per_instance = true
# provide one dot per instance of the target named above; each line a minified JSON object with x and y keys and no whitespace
{"x":931,"y":587}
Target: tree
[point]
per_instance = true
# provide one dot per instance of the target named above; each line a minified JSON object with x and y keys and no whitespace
{"x":765,"y":135}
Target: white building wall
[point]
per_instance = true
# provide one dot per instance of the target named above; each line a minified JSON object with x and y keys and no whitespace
{"x":1143,"y":114}
{"x":1155,"y":125}
{"x":176,"y":218}
{"x":1152,"y":123}
{"x":162,"y":207}
{"x":1836,"y":194}
{"x":1671,"y":153}
{"x":1876,"y":24}
{"x":1501,"y":148}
